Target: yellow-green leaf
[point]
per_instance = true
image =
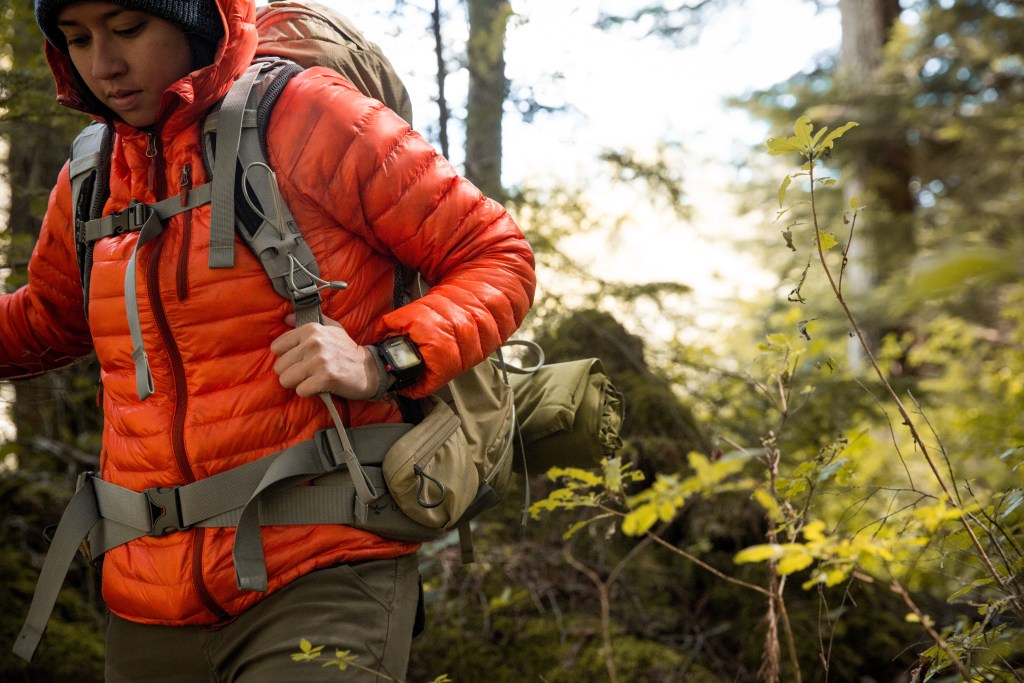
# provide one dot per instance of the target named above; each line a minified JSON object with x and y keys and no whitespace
{"x":803,"y":128}
{"x":309,"y":653}
{"x":794,"y":561}
{"x":835,"y":577}
{"x":759,"y":553}
{"x":814,"y":531}
{"x":833,"y":136}
{"x":574,"y":474}
{"x":826,"y":240}
{"x":768,"y":503}
{"x":782,"y":189}
{"x":778,"y":146}
{"x":640,"y":520}
{"x":817,"y":136}
{"x":971,"y":586}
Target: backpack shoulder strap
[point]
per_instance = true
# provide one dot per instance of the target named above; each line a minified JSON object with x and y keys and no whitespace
{"x":246,"y":198}
{"x":90,"y":187}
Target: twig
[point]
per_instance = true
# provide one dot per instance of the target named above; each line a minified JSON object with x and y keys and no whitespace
{"x":897,"y":588}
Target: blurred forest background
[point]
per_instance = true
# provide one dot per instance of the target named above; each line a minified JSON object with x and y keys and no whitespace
{"x":830,"y":491}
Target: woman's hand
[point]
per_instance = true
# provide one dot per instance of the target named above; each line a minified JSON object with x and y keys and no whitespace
{"x":316,"y":358}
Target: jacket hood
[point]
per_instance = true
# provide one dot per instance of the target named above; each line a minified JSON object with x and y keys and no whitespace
{"x":189,"y":98}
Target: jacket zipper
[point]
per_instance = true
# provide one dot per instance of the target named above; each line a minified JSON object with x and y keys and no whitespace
{"x":186,"y":239}
{"x":180,"y":390}
{"x":151,"y":152}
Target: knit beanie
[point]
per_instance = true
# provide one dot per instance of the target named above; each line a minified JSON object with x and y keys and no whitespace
{"x":199,"y":18}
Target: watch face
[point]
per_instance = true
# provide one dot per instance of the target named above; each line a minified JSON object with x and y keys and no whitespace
{"x":401,"y":354}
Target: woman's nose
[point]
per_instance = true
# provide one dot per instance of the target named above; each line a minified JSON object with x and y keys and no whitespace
{"x":107,"y":60}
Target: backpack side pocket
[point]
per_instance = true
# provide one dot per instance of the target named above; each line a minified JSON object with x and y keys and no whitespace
{"x":430,"y":472}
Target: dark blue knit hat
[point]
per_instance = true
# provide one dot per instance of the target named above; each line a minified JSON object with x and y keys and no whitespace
{"x":195,"y":17}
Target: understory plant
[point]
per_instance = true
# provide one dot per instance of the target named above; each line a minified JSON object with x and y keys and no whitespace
{"x":880,"y":497}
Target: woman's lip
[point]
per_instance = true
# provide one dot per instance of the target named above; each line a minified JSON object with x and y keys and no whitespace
{"x":123,"y":100}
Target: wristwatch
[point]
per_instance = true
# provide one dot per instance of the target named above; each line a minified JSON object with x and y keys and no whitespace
{"x":402,"y":360}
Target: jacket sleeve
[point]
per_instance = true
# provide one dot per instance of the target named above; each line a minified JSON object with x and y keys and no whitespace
{"x":412,"y":202}
{"x":42,"y":324}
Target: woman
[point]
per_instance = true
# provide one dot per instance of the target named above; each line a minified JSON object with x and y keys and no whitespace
{"x":232,"y":377}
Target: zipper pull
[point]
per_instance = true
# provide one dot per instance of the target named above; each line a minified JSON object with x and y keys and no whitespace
{"x":151,"y":152}
{"x":185,"y":184}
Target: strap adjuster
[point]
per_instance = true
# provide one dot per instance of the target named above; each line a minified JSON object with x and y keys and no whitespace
{"x":325,"y":449}
{"x":165,"y":510}
{"x":306,"y":297}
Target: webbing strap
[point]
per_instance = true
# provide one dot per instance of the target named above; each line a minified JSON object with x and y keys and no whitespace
{"x":132,"y":218}
{"x":116,"y":515}
{"x":250,"y":563}
{"x":80,"y":515}
{"x":367,"y":492}
{"x":247,"y":552}
{"x":151,"y":228}
{"x":229,"y":132}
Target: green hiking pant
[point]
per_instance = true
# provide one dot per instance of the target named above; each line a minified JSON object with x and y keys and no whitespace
{"x":366,"y":608}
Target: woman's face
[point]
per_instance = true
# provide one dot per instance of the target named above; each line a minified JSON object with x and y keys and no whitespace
{"x":127,"y":58}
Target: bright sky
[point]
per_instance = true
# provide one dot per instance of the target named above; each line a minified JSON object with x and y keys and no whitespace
{"x":631,"y":93}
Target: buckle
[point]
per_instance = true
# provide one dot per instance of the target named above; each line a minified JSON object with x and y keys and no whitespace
{"x":165,"y":510}
{"x":131,"y":218}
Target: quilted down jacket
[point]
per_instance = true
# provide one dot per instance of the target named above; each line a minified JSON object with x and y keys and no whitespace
{"x":367,"y":191}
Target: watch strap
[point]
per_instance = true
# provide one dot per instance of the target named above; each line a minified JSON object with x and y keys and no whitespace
{"x":383,"y":376}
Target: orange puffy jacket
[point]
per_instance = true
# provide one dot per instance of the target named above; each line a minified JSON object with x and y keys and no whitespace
{"x":367,"y":191}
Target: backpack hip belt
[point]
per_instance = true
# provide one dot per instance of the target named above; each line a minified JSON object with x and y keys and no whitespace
{"x":102,"y":515}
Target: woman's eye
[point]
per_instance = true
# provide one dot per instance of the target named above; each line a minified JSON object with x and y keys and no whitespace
{"x":77,"y":41}
{"x":131,"y":30}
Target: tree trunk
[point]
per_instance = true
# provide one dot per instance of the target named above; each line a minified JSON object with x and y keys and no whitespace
{"x":885,"y":240}
{"x":487,"y":90}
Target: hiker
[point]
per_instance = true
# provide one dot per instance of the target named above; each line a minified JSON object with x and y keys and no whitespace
{"x":221,"y":376}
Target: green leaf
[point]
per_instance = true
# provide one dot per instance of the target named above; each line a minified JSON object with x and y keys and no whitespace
{"x":342,"y":658}
{"x":793,"y":562}
{"x":826,"y":240}
{"x":969,"y":587}
{"x":782,"y":189}
{"x":639,"y":521}
{"x":574,"y":528}
{"x":1011,"y":502}
{"x":766,"y":501}
{"x":833,"y":136}
{"x":309,"y":653}
{"x":817,"y":136}
{"x":777,"y":146}
{"x":574,"y":474}
{"x":827,"y":472}
{"x":759,"y":553}
{"x":803,"y":128}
